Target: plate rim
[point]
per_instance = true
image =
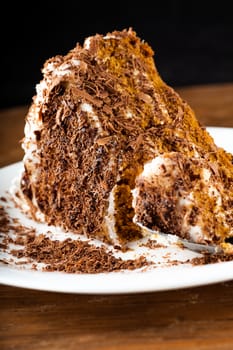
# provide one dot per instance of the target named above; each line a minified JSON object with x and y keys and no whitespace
{"x":122,"y":282}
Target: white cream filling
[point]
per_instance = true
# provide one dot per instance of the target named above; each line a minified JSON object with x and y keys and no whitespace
{"x":86,"y":107}
{"x":185,"y":201}
{"x":110,"y":219}
{"x":66,"y":68}
{"x":156,"y":168}
{"x":213,"y":192}
{"x":29,"y":145}
{"x":196,"y":233}
{"x":110,"y":36}
{"x":87,"y":43}
{"x":206,"y":174}
{"x":60,"y":69}
{"x":129,"y":114}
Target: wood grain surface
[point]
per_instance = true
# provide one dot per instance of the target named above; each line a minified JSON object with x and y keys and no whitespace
{"x":190,"y":318}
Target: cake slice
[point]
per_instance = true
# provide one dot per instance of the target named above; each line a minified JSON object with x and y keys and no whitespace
{"x":110,"y":147}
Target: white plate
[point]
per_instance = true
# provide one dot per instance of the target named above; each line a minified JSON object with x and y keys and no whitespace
{"x":156,"y":279}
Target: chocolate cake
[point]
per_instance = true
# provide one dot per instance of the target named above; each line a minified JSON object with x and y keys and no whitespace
{"x":110,"y":148}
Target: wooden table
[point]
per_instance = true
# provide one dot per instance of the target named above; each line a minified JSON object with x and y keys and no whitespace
{"x":192,"y":318}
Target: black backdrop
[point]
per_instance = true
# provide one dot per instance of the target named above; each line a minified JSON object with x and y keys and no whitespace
{"x":192,"y":40}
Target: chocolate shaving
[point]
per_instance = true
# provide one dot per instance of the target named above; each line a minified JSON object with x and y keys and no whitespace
{"x":75,"y":256}
{"x":71,"y":256}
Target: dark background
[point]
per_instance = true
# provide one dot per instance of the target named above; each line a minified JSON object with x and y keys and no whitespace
{"x":192,"y":40}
